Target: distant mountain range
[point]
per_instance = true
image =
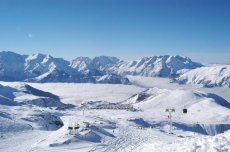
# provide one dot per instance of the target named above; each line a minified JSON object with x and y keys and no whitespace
{"x":45,"y":68}
{"x":161,"y":66}
{"x":102,"y":69}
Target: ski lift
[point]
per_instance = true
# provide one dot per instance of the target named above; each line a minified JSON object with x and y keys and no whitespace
{"x":70,"y":130}
{"x":170,"y":110}
{"x":76,"y":127}
{"x":185,"y":110}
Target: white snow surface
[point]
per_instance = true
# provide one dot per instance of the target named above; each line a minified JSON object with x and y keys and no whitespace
{"x":75,"y":93}
{"x":145,"y":129}
{"x":219,"y":143}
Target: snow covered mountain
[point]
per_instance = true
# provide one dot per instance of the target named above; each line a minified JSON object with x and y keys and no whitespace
{"x":156,"y":100}
{"x":96,"y":66}
{"x":45,"y":68}
{"x":24,"y":94}
{"x":104,"y":62}
{"x":11,"y":66}
{"x":162,"y":66}
{"x":85,"y":65}
{"x":32,"y":113}
{"x":37,"y":64}
{"x":210,"y":76}
{"x":103,"y":69}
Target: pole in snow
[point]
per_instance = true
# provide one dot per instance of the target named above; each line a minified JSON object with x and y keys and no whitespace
{"x":83,"y":111}
{"x":70,"y":128}
{"x":170,"y":110}
{"x":76,"y":127}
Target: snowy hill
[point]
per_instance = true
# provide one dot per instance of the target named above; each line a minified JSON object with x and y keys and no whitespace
{"x":105,"y":121}
{"x":156,"y":100}
{"x":163,"y":66}
{"x":24,"y":94}
{"x":210,"y":76}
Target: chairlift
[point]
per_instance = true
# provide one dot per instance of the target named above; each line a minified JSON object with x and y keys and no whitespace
{"x":76,"y":127}
{"x":70,"y":128}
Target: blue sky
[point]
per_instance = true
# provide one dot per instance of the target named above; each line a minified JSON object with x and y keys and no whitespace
{"x":128,"y":29}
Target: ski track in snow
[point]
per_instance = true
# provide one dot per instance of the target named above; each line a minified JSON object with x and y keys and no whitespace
{"x":127,"y":139}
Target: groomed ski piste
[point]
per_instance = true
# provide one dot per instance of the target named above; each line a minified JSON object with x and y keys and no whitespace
{"x":69,"y":117}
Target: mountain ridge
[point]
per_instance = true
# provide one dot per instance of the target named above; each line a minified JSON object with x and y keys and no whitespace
{"x":101,"y":69}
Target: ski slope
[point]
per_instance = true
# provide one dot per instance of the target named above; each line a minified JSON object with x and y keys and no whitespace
{"x":116,"y":117}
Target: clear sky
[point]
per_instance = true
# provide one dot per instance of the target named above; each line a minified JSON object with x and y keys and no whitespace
{"x":128,"y":29}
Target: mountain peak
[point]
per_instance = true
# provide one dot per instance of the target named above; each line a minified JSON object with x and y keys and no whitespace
{"x":163,"y":66}
{"x":106,"y":59}
{"x":84,"y":68}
